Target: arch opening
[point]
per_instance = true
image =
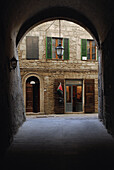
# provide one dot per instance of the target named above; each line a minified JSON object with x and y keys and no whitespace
{"x":54,"y":13}
{"x":52,"y":70}
{"x":106,"y":85}
{"x":32,"y":94}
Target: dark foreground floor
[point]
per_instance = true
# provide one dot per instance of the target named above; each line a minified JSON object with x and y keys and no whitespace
{"x":69,"y":142}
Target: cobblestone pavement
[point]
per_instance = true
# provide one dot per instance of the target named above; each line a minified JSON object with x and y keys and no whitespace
{"x":62,"y":142}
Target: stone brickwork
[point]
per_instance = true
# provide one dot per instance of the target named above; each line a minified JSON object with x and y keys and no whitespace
{"x":49,"y":70}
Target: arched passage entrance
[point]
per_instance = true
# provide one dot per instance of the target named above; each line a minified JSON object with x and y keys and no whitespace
{"x":62,"y":13}
{"x":32,"y":94}
{"x":100,"y":13}
{"x":47,"y":71}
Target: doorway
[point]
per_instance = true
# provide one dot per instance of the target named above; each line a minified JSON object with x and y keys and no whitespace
{"x":32,"y":94}
{"x":74,"y":97}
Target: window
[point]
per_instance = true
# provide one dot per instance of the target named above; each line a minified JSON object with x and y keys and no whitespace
{"x":55,"y":43}
{"x":32,"y":49}
{"x":52,"y":43}
{"x":88,"y":49}
{"x":91,"y":50}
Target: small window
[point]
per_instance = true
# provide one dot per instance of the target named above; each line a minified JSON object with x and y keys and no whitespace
{"x":88,"y":50}
{"x":91,"y":50}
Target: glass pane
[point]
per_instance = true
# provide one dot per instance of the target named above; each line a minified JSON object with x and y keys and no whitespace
{"x":93,"y":56}
{"x":93,"y":50}
{"x":88,"y":56}
{"x":88,"y":50}
{"x":68,"y":94}
{"x":59,"y":41}
{"x":88,"y":42}
{"x":79,"y":93}
{"x":93,"y":43}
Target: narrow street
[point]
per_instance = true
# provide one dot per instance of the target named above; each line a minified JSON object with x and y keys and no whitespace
{"x":62,"y":142}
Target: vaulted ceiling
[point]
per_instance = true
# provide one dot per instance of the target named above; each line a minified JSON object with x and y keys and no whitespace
{"x":18,"y":16}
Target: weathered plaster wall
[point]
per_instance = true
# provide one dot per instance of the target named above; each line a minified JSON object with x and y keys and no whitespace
{"x":11,"y":97}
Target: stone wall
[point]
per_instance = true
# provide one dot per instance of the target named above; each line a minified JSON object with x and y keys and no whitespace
{"x":48,"y":70}
{"x":48,"y":81}
{"x":106,"y":79}
{"x":11,"y":97}
{"x":51,"y":29}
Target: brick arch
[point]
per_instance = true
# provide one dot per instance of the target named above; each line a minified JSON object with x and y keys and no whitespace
{"x":24,"y":79}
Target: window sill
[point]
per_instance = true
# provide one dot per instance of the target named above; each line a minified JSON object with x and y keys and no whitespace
{"x":90,"y":60}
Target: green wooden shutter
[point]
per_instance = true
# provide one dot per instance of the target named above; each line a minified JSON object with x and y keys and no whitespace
{"x":83,"y":48}
{"x":66,"y":48}
{"x":97,"y":54}
{"x":48,"y":48}
{"x":32,"y":47}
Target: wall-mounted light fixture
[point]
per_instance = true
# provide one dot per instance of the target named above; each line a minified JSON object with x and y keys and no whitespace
{"x":13,"y":63}
{"x":32,"y":82}
{"x":60,"y":48}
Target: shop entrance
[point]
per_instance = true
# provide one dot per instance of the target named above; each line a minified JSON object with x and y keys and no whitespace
{"x":73,"y":91}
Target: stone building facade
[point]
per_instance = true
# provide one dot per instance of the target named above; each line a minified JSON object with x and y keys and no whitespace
{"x":43,"y":72}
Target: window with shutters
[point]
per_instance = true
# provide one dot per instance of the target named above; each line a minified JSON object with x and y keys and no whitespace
{"x":52,"y":43}
{"x":32,"y":48}
{"x":88,"y":50}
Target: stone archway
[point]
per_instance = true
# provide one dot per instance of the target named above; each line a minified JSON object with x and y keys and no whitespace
{"x":32,"y":95}
{"x":79,"y":17}
{"x":49,"y":14}
{"x":19,"y":17}
{"x":41,"y":89}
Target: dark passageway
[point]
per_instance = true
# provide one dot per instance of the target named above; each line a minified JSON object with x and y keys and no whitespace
{"x":63,"y":142}
{"x":95,"y":148}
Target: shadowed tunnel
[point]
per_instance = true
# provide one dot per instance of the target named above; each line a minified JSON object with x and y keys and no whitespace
{"x":18,"y":17}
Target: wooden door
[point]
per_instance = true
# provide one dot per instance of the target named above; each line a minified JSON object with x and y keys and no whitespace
{"x":89,"y":96}
{"x":29,"y":97}
{"x":58,"y":101}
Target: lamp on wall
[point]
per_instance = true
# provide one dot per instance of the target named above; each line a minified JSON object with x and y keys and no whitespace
{"x":32,"y":82}
{"x":60,"y":48}
{"x":13,"y":63}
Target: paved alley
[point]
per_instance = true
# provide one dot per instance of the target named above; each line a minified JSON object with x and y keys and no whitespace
{"x":62,"y":142}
